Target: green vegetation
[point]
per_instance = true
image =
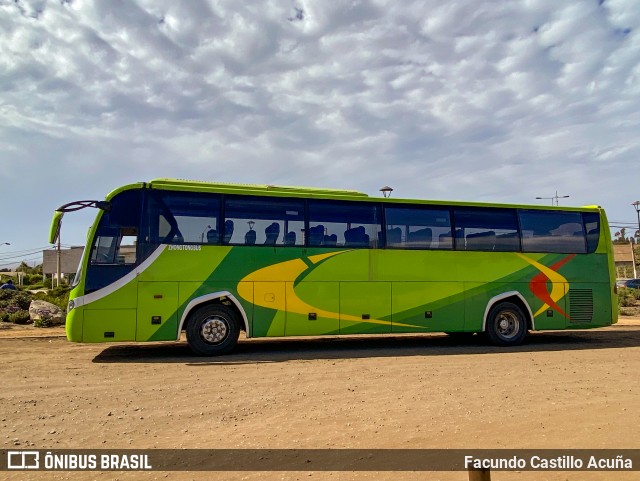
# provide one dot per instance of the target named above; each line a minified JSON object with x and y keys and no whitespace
{"x":19,"y":317}
{"x":627,"y":297}
{"x":14,"y":305}
{"x":44,"y":322}
{"x":629,"y":301}
{"x":58,"y":296}
{"x":12,"y":301}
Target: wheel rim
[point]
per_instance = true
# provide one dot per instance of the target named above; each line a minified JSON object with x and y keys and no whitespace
{"x":508,"y":324}
{"x":214,"y":330}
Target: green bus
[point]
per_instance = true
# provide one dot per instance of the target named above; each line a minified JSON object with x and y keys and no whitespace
{"x":214,"y":259}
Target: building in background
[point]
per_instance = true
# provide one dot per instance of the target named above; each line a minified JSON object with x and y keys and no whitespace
{"x":625,"y":263}
{"x":69,"y":262}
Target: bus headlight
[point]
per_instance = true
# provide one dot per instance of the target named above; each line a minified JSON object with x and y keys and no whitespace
{"x":71,"y":306}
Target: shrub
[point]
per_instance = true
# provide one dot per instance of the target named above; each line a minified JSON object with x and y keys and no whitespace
{"x":19,"y":317}
{"x":22,"y":300}
{"x":58,"y":296}
{"x":32,"y":279}
{"x":6,"y":294}
{"x":43,"y":322}
{"x":4,"y":316}
{"x":14,"y":300}
{"x":626,"y":297}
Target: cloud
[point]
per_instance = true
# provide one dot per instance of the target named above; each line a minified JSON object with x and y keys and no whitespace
{"x":475,"y":100}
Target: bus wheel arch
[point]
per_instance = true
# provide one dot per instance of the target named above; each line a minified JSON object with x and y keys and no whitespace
{"x":507,"y":319}
{"x":222,"y":298}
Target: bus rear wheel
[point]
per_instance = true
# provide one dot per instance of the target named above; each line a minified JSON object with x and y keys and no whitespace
{"x":213,"y":330}
{"x":506,"y":325}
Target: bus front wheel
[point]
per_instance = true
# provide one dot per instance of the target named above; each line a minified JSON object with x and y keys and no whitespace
{"x":213,"y":330}
{"x":506,"y":325}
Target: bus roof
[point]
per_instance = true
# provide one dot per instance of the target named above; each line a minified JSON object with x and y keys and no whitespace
{"x":279,"y":190}
{"x":254,"y":188}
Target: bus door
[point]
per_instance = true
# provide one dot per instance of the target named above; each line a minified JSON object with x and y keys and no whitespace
{"x":157,"y":311}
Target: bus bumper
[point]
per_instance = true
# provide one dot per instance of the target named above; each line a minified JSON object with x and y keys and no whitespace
{"x":73,"y":326}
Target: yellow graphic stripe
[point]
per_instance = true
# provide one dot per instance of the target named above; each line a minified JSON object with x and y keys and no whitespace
{"x":288,"y":272}
{"x":321,"y":257}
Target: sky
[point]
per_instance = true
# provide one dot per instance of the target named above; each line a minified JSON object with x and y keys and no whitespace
{"x":486,"y":101}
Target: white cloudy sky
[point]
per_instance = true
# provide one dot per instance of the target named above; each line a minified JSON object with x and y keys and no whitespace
{"x":493,"y":100}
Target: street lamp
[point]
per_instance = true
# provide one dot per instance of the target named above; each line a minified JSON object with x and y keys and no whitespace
{"x":5,"y":244}
{"x":554,"y":198}
{"x":386,"y":191}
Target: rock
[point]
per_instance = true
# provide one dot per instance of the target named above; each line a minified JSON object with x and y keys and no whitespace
{"x":39,"y":310}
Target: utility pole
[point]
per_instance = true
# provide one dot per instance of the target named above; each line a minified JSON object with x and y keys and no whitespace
{"x":633,"y":258}
{"x":58,"y":264}
{"x":636,"y":206}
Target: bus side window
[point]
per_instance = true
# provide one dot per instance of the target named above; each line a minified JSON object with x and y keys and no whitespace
{"x":592,"y":228}
{"x":183,"y":218}
{"x":418,"y":227}
{"x":263,"y":221}
{"x":486,"y":229}
{"x":551,"y":231}
{"x":348,"y":224}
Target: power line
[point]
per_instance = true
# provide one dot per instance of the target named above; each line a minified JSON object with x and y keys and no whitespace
{"x":32,"y":259}
{"x":624,"y":226}
{"x":18,"y":252}
{"x":22,"y":255}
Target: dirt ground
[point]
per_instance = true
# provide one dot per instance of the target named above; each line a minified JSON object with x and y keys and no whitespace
{"x":560,"y":390}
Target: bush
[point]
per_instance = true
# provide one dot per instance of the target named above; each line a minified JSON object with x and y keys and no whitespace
{"x":31,"y":279}
{"x":43,"y":322}
{"x":4,"y":316}
{"x":19,"y":317}
{"x":22,"y":300}
{"x":626,"y":297}
{"x":6,"y":294}
{"x":58,"y":296}
{"x":14,"y":300}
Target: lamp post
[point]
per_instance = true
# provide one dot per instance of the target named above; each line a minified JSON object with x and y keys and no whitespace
{"x":5,"y":244}
{"x":554,"y":199}
{"x":386,"y":191}
{"x":58,"y":262}
{"x":636,"y":206}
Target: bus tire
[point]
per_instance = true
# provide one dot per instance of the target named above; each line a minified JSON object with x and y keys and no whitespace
{"x":506,"y":325}
{"x":213,"y":330}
